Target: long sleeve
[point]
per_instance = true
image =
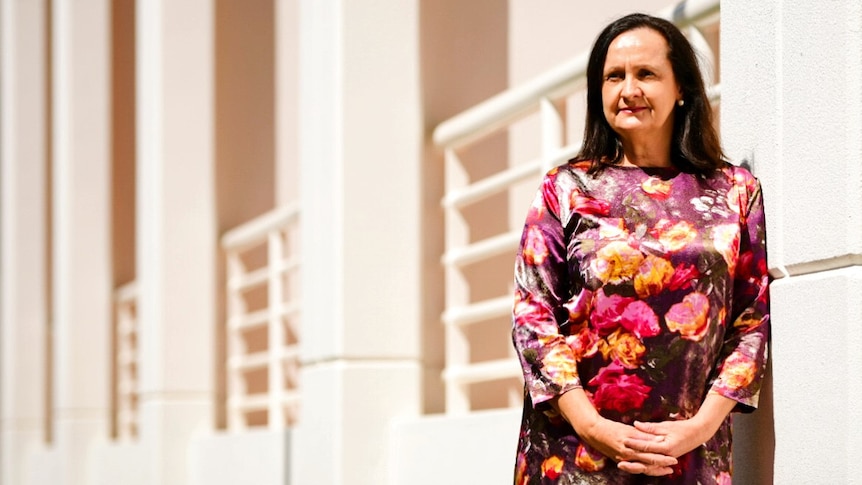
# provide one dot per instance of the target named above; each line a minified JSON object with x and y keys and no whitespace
{"x":742,"y":361}
{"x":542,"y":285}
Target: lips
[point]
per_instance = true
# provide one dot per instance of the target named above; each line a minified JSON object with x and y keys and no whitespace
{"x":633,"y":110}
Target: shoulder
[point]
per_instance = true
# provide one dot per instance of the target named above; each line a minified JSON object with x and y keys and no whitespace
{"x":571,"y":174}
{"x":744,"y":187}
{"x":740,"y":176}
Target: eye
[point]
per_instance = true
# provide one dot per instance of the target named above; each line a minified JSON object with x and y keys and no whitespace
{"x":614,"y":76}
{"x":646,"y":73}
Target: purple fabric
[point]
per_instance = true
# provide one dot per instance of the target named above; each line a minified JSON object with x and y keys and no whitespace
{"x":649,"y":289}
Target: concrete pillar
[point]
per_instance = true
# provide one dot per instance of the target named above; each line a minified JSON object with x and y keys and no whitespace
{"x":176,"y":231}
{"x":791,"y":97}
{"x":361,"y":132}
{"x":81,"y":231}
{"x":23,"y":248}
{"x":286,"y":102}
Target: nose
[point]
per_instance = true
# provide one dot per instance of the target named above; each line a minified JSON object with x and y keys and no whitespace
{"x":630,"y":87}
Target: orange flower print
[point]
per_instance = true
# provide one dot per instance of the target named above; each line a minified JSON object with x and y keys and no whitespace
{"x":584,"y":344}
{"x":738,"y":371}
{"x":673,"y":237}
{"x":623,"y":347}
{"x":535,"y":249}
{"x":588,"y":460}
{"x":616,"y":262}
{"x":552,"y":467}
{"x":725,"y":238}
{"x":689,"y":317}
{"x":558,"y":366}
{"x":653,"y":275}
{"x":656,"y":188}
{"x":521,"y":477}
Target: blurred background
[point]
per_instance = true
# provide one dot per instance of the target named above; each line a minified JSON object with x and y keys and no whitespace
{"x":271,"y":241}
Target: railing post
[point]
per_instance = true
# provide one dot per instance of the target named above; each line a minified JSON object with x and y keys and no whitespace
{"x":235,"y":345}
{"x":457,"y":344}
{"x":275,"y":295}
{"x":552,"y":131}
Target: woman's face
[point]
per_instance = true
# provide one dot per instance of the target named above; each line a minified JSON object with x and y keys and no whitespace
{"x":639,"y":90}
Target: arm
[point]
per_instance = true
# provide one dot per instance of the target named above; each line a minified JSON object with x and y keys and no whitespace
{"x":742,"y":362}
{"x":541,"y":285}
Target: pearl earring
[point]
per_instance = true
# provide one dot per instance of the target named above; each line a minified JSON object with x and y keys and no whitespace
{"x":680,"y":102}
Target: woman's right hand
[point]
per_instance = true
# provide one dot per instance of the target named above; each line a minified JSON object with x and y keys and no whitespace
{"x":609,"y":437}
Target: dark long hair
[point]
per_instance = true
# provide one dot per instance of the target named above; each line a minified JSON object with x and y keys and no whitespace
{"x":695,"y":145}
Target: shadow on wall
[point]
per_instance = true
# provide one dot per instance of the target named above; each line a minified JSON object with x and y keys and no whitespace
{"x":754,"y":440}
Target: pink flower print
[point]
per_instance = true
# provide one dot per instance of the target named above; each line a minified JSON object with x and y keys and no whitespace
{"x":640,"y":319}
{"x":618,"y":391}
{"x":689,"y":317}
{"x":683,"y":276}
{"x":584,"y":344}
{"x":535,"y":249}
{"x":579,"y":308}
{"x":589,"y":206}
{"x":608,"y":311}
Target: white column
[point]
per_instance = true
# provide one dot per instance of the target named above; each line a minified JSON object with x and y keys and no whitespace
{"x":791,"y":97}
{"x":286,"y":102}
{"x":176,"y":231}
{"x":360,"y":162}
{"x":81,"y":253}
{"x":23,"y":248}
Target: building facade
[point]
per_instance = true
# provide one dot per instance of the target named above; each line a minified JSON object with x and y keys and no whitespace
{"x":271,"y":241}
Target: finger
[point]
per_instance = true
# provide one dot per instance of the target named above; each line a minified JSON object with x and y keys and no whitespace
{"x":651,"y":428}
{"x":652,"y":445}
{"x":640,"y":468}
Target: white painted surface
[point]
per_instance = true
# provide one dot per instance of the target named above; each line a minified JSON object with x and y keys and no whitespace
{"x":259,"y":457}
{"x":464,"y":450}
{"x":23,"y":242}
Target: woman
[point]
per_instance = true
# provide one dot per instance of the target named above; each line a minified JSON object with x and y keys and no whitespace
{"x":641,"y":312}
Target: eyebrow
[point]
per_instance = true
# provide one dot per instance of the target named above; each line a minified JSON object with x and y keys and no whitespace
{"x":616,"y":67}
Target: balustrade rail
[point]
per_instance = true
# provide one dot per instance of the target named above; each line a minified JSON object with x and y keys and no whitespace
{"x":262,"y":320}
{"x":543,"y":95}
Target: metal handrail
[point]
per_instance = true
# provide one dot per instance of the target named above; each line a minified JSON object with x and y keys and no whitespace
{"x":501,"y":110}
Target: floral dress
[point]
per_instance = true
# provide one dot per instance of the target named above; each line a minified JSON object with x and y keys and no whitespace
{"x":648,"y":288}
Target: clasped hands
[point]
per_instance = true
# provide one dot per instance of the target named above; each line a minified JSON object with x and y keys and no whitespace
{"x":647,"y":448}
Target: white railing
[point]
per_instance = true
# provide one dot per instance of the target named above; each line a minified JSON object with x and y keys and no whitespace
{"x":262,"y":320}
{"x":542,"y":95}
{"x":126,"y":362}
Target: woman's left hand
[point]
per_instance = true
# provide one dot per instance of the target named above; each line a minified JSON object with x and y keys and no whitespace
{"x":676,"y":438}
{"x":672,"y":438}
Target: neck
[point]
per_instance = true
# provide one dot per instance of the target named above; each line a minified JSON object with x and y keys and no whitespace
{"x":646,"y":154}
